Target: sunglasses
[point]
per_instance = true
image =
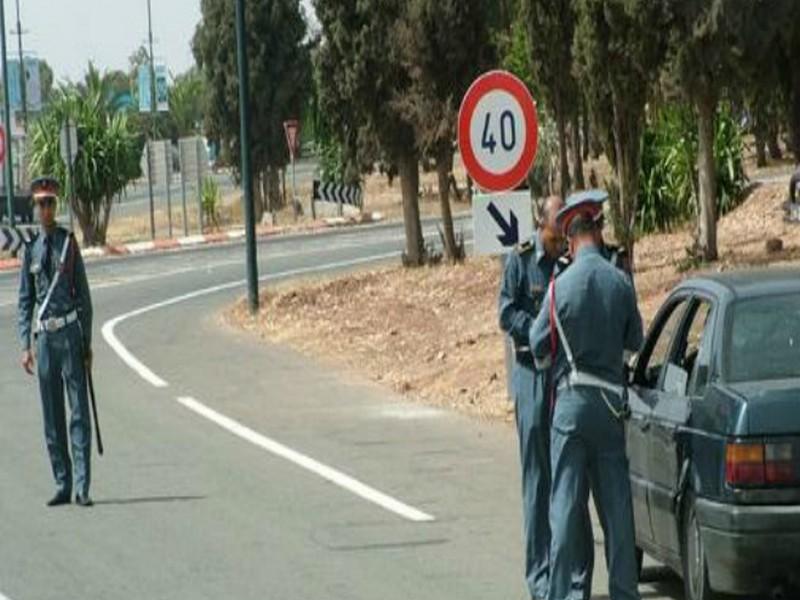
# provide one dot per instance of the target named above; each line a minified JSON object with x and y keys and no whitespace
{"x":46,"y":201}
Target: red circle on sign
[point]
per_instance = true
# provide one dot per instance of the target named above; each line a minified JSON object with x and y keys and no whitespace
{"x":2,"y":144}
{"x":511,"y":178}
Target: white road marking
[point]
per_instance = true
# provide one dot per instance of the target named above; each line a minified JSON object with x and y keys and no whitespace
{"x":2,"y":597}
{"x":144,"y":372}
{"x":338,"y":478}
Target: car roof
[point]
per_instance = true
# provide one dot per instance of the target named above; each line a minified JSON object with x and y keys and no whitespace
{"x":747,"y":283}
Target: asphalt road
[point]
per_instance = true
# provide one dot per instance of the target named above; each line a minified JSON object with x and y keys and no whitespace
{"x":238,"y":469}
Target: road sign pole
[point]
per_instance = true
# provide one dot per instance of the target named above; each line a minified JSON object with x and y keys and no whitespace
{"x":247,"y":180}
{"x":197,"y":156}
{"x":168,"y":178}
{"x":183,"y":188}
{"x":294,"y":186}
{"x":153,"y":121}
{"x":150,"y":189}
{"x":7,"y":120}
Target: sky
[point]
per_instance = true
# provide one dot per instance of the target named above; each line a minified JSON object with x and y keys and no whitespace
{"x":69,"y":33}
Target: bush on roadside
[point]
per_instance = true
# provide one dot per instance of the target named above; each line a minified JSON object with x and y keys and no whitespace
{"x":668,"y":182}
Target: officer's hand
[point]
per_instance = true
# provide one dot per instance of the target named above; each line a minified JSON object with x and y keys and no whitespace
{"x":27,"y":361}
{"x":88,"y":360}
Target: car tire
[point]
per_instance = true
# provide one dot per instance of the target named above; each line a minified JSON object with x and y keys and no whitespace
{"x":693,"y":556}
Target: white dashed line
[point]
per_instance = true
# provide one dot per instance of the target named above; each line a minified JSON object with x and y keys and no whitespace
{"x":330,"y":474}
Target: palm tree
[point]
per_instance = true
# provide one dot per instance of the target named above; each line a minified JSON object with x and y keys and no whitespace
{"x":108,"y":155}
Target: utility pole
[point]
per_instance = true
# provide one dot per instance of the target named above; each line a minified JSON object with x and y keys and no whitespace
{"x":23,"y":79}
{"x":247,"y":178}
{"x":153,"y":114}
{"x":7,"y":119}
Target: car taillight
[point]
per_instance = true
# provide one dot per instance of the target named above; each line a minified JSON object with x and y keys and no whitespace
{"x":778,"y":464}
{"x":744,"y":465}
{"x":759,"y":465}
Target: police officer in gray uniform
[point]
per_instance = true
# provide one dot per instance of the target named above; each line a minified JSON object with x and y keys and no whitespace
{"x":588,"y":318}
{"x":528,"y":271}
{"x":55,"y":309}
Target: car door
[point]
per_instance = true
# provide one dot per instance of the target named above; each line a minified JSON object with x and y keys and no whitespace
{"x":680,"y":378}
{"x":643,"y":397}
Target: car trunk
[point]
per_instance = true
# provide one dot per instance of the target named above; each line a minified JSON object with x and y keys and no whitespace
{"x":771,"y":407}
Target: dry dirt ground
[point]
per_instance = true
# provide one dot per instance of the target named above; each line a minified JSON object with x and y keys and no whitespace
{"x":432,"y":333}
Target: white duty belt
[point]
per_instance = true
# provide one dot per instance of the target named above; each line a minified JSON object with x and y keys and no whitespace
{"x":53,"y":284}
{"x":580,"y":378}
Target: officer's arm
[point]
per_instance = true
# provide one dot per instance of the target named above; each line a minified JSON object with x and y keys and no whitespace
{"x":634,"y":331}
{"x":539,"y":336}
{"x":27,"y":301}
{"x":83,"y":297}
{"x":513,"y":320}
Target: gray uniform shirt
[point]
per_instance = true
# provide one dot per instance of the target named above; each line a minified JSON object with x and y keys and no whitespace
{"x":597,"y":307}
{"x":71,"y":293}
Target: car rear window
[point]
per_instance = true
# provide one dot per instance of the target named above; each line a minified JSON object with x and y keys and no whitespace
{"x":764,"y":339}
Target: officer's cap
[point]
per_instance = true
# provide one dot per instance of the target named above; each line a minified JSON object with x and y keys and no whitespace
{"x":587,"y":203}
{"x":44,"y":187}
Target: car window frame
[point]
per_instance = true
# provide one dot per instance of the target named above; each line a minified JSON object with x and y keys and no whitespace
{"x":664,"y":314}
{"x":696,"y":298}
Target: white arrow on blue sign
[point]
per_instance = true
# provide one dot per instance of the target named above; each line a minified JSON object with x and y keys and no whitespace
{"x":501,"y":221}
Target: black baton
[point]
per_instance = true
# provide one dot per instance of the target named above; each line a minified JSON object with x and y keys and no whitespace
{"x":94,"y":412}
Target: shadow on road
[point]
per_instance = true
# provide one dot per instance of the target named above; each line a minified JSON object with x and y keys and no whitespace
{"x":148,"y":500}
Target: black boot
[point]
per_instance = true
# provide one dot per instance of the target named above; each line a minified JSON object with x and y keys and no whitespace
{"x":84,"y":501}
{"x":60,"y":499}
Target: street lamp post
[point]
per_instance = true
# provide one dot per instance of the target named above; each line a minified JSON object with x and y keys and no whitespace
{"x":247,"y":180}
{"x":23,"y":79}
{"x":7,"y":119}
{"x":148,"y":145}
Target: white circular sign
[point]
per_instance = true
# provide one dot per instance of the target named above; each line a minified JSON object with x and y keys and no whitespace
{"x":497,"y":132}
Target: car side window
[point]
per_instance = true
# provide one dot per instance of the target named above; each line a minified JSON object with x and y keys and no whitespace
{"x":649,"y":371}
{"x":694,"y":355}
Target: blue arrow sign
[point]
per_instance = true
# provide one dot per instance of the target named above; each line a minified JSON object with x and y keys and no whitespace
{"x":510,"y":235}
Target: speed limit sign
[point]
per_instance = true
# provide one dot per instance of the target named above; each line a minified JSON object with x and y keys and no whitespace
{"x":498,"y":131}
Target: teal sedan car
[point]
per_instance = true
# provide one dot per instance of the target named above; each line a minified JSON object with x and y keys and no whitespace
{"x":714,"y":436}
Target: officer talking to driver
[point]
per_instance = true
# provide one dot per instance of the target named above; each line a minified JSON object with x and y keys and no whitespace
{"x":55,"y":332}
{"x":588,"y":318}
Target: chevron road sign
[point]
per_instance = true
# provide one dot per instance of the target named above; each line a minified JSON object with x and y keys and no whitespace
{"x":12,"y":238}
{"x":337,"y":193}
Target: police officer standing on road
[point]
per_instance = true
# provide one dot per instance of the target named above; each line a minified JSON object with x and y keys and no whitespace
{"x":53,"y":282}
{"x":588,"y":318}
{"x":528,"y":271}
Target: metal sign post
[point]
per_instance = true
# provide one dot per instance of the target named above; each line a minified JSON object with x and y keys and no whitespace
{"x":199,"y":184}
{"x":168,"y":180}
{"x":69,"y":151}
{"x":182,"y":161}
{"x":7,"y":118}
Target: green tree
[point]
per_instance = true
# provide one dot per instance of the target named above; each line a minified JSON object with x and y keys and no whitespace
{"x":787,"y":14}
{"x":47,"y":80}
{"x":187,"y":103}
{"x":619,"y":50}
{"x":363,"y":81}
{"x":108,"y":155}
{"x":551,"y":28}
{"x":444,"y":46}
{"x":280,"y":80}
{"x":700,"y":63}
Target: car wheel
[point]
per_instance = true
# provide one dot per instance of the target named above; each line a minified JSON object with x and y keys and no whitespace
{"x":693,"y":555}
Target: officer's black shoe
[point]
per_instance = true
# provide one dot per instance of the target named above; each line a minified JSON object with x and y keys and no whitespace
{"x":83,"y":501}
{"x":60,"y":499}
